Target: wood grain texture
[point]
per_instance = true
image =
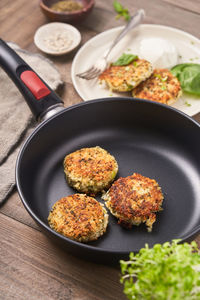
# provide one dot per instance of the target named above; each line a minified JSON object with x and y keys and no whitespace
{"x":31,"y":266}
{"x":157,"y":12}
{"x":193,"y":5}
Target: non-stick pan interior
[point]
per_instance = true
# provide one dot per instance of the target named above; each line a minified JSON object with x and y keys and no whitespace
{"x":144,"y":137}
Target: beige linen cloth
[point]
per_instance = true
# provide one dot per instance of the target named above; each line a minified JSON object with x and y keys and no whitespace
{"x":16,"y":120}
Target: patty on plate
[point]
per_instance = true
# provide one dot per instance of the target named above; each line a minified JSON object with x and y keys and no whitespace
{"x":125,"y":78}
{"x":79,"y":217}
{"x":134,"y":199}
{"x":161,"y":87}
{"x":90,"y":170}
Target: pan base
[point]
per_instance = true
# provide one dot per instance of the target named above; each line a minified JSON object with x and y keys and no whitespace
{"x":174,"y":174}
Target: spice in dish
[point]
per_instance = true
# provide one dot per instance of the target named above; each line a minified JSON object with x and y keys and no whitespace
{"x":67,"y":6}
{"x":58,"y":41}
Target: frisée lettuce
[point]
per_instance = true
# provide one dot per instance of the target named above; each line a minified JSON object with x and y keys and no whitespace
{"x":166,"y":272}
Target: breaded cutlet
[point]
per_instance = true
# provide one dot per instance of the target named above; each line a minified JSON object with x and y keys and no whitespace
{"x":79,"y":217}
{"x":134,"y":199}
{"x":161,"y":87}
{"x":125,"y":78}
{"x":90,"y":170}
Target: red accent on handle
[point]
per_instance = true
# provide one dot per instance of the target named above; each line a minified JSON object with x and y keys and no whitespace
{"x":34,"y":84}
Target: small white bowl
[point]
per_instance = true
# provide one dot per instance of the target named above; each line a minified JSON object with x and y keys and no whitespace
{"x":57,"y":38}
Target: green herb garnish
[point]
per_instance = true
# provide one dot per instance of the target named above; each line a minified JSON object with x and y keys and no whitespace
{"x":189,"y":76}
{"x":187,"y":103}
{"x":166,"y":272}
{"x":163,"y":79}
{"x":163,"y":87}
{"x":125,"y":59}
{"x":121,"y":11}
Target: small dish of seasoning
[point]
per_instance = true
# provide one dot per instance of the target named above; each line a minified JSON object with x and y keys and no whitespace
{"x":57,"y":38}
{"x":68,"y":11}
{"x":66,"y":6}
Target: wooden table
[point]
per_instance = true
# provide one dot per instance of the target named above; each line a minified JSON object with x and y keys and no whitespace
{"x":32,"y":267}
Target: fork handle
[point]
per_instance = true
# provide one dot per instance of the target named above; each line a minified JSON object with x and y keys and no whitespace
{"x":134,"y":21}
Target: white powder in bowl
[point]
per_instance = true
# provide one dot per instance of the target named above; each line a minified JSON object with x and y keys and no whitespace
{"x":57,"y":38}
{"x":58,"y":41}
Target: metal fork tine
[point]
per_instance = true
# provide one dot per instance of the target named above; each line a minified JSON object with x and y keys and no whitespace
{"x":89,"y":75}
{"x":101,"y":63}
{"x":95,"y":71}
{"x":94,"y":75}
{"x":86,"y":72}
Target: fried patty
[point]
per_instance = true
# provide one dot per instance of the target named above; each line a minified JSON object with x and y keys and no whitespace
{"x":90,"y":170}
{"x":161,"y":87}
{"x":79,"y":217}
{"x":134,"y":200}
{"x":125,"y":78}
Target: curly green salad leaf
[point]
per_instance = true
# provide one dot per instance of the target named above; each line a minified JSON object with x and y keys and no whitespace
{"x":189,"y":76}
{"x":125,"y":59}
{"x":170,"y":271}
{"x":121,"y":11}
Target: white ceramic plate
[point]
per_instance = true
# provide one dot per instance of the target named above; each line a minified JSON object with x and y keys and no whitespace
{"x":187,"y":45}
{"x":57,"y":38}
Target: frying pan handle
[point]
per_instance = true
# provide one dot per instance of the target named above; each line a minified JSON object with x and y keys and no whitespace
{"x":38,"y":95}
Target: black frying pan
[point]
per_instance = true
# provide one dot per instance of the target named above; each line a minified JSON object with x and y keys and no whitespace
{"x":145,"y":137}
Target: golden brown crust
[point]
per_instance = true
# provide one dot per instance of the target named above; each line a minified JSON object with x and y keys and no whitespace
{"x":134,"y":199}
{"x":161,"y":87}
{"x":78,"y":217}
{"x":90,"y":170}
{"x":125,"y":78}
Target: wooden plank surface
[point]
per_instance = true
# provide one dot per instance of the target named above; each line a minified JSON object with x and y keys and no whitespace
{"x":35,"y":268}
{"x":31,"y":266}
{"x":193,"y":6}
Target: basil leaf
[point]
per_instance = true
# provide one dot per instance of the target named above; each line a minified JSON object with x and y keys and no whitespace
{"x":176,"y":70}
{"x":189,"y":76}
{"x":126,"y":15}
{"x":191,"y":81}
{"x":117,"y":6}
{"x":125,"y":59}
{"x":122,"y":11}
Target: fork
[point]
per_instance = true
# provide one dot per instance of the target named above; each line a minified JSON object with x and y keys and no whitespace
{"x":101,"y":63}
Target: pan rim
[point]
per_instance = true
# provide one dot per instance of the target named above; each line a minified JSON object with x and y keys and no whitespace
{"x":96,"y":249}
